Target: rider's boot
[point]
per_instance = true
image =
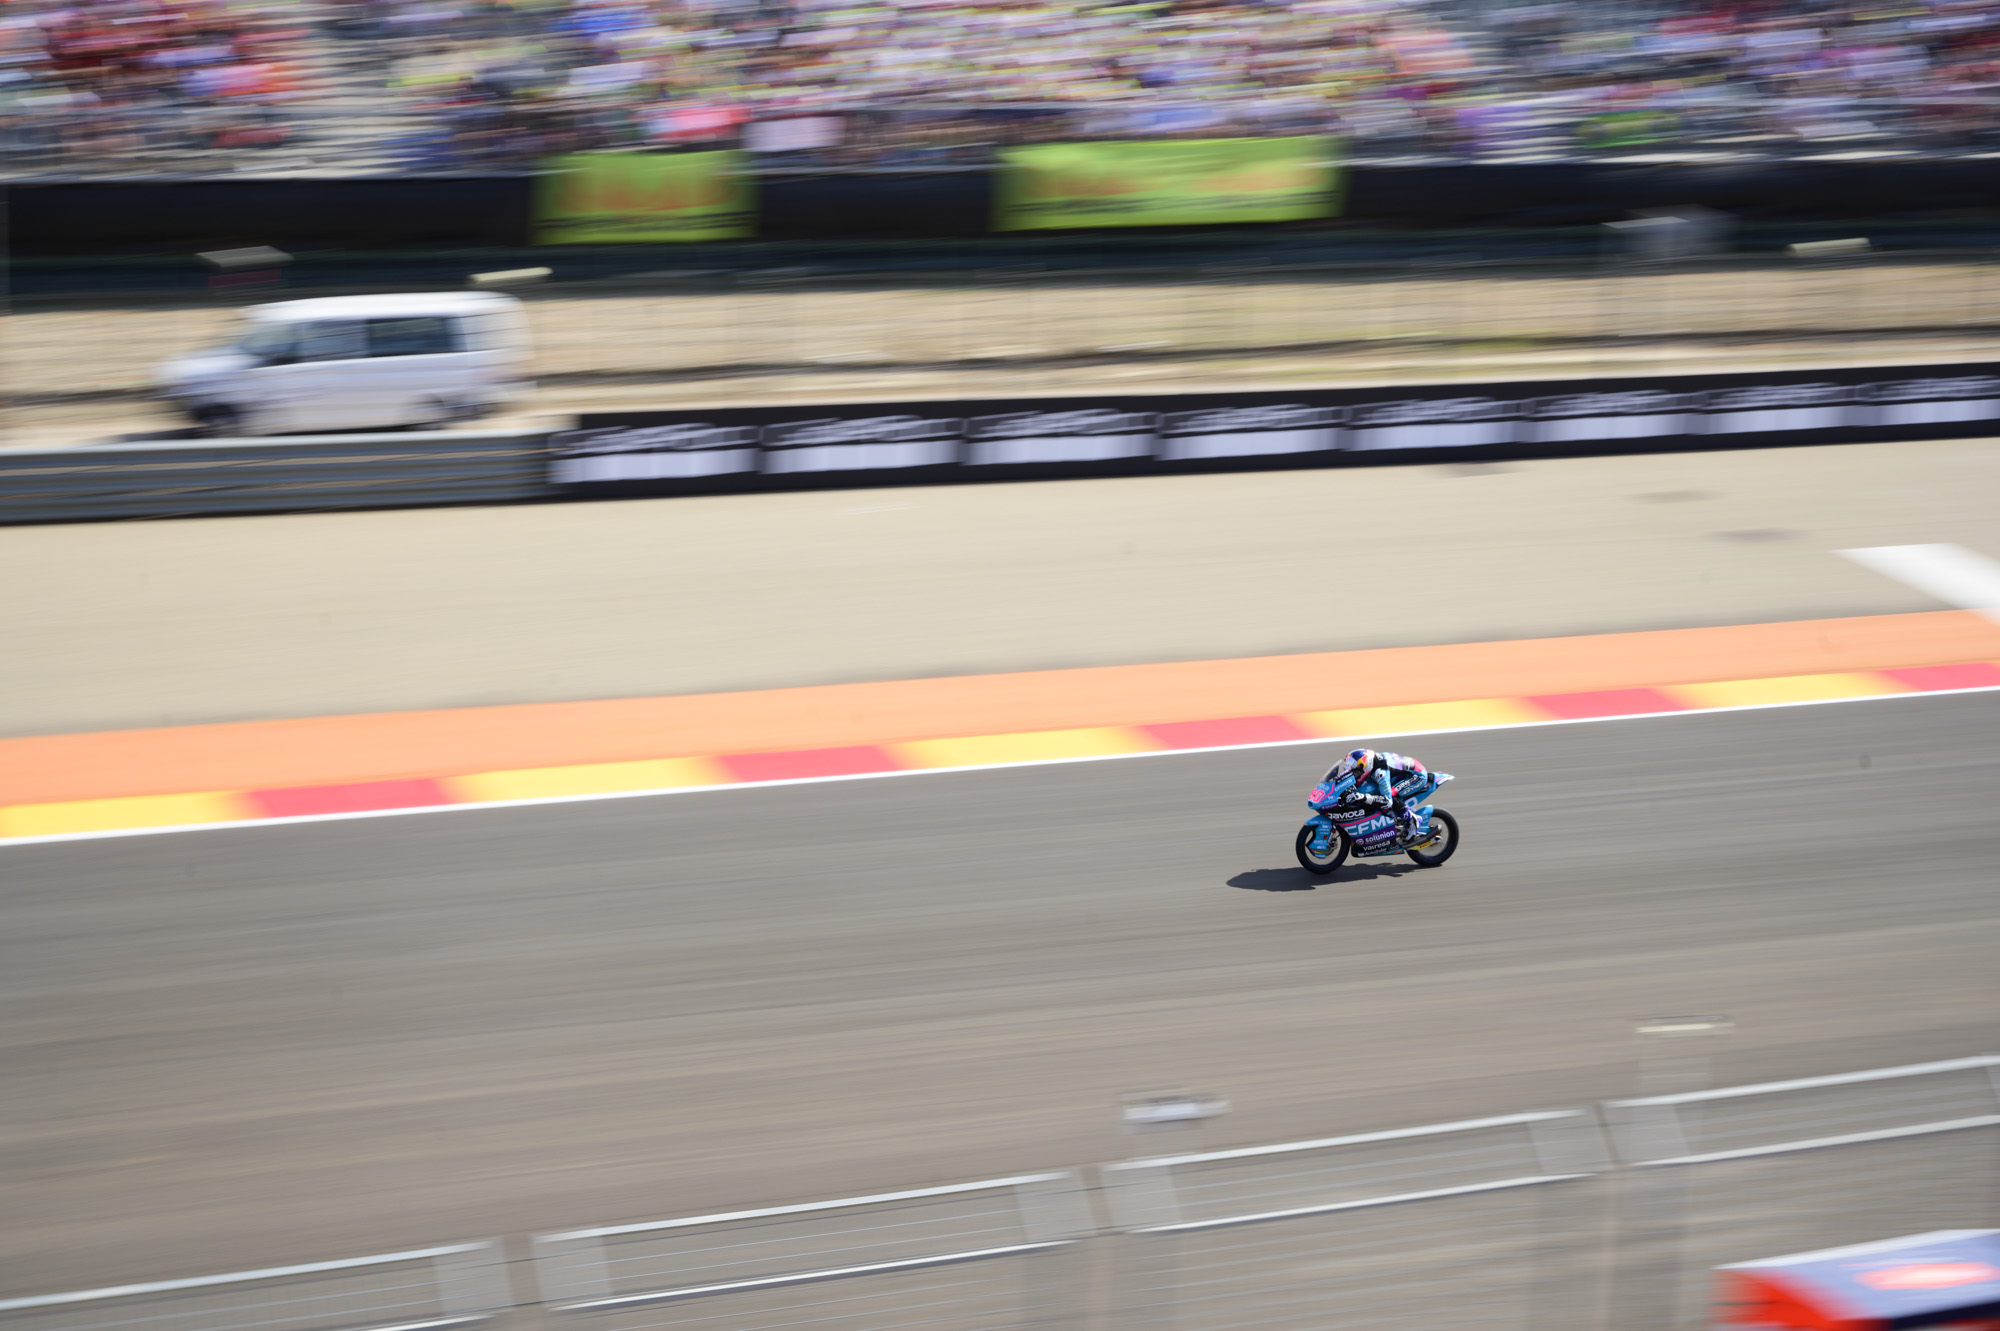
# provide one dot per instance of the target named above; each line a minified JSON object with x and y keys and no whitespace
{"x":1416,"y":823}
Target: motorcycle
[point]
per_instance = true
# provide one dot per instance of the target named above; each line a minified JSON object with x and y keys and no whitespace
{"x":1346,"y":821}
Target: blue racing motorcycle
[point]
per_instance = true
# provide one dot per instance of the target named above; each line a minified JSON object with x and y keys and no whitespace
{"x":1345,"y":821}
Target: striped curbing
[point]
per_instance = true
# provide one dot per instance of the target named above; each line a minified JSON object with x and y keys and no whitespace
{"x":135,"y":814}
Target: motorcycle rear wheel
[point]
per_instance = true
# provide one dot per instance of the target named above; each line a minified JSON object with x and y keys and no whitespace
{"x":1336,"y":851}
{"x":1443,"y":842}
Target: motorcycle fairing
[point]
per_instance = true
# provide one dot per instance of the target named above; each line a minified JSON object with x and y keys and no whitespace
{"x":1370,"y":831}
{"x":1328,"y":792}
{"x":1322,"y":833}
{"x":1377,"y":836}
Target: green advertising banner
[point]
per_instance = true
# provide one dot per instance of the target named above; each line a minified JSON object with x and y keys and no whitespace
{"x":1170,"y":182}
{"x":621,"y":198}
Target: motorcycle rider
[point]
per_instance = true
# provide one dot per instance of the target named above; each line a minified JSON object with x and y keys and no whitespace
{"x":1392,"y":780}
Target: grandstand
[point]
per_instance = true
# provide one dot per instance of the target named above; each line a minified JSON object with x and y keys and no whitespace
{"x":200,"y":87}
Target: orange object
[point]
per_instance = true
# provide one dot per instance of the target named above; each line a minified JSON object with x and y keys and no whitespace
{"x":1947,"y":1280}
{"x":1764,"y":659}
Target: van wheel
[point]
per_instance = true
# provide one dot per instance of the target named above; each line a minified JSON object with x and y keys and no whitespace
{"x":217,"y":421}
{"x":439,"y":414}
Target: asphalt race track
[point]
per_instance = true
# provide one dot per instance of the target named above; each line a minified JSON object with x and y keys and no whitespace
{"x":247,"y":1047}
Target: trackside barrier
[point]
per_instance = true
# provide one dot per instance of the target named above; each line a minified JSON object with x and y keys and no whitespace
{"x":1417,"y":1227}
{"x":1713,"y":1177}
{"x":811,"y":445}
{"x":973,"y":1255}
{"x":694,"y":451}
{"x":1524,"y":1222}
{"x":427,"y":1289}
{"x":214,"y":477}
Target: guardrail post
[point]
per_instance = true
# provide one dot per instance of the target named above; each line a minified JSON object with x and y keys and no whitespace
{"x":1056,"y":1211}
{"x":1574,"y":1231}
{"x":473,"y":1282}
{"x":570,"y":1270}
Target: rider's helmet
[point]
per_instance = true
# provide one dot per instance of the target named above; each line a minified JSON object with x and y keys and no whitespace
{"x":1363,"y":762}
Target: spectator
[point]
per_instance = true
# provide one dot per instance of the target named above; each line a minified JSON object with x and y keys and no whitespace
{"x":123,"y":84}
{"x":500,"y":82}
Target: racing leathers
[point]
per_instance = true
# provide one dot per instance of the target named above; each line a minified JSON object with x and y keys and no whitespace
{"x":1397,"y":781}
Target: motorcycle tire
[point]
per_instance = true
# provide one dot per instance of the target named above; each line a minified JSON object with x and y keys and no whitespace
{"x":1441,"y":848}
{"x":1315,"y":864}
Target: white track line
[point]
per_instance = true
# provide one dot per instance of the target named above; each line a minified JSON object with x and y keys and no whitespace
{"x":944,"y":771}
{"x":1952,"y":573}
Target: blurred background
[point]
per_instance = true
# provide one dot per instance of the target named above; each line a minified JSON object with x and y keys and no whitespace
{"x":1702,"y":990}
{"x":895,"y":188}
{"x":131,"y":87}
{"x":729,"y":203}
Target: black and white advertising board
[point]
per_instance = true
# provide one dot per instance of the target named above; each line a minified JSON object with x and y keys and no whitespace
{"x":799,"y":447}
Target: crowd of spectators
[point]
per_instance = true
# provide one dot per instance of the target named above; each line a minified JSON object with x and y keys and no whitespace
{"x":1763,"y":74}
{"x":474,"y":84}
{"x":900,"y":81}
{"x":892,"y":82}
{"x":107,"y":84}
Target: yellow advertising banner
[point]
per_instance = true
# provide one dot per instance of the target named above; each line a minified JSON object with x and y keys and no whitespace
{"x":1170,"y":182}
{"x":626,"y":198}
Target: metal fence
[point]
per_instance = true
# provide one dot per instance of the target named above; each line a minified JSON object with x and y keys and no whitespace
{"x":1456,"y":1224}
{"x":1790,"y":1166}
{"x":973,"y":1255}
{"x":1525,"y":1222}
{"x":268,"y":475}
{"x":427,"y":1289}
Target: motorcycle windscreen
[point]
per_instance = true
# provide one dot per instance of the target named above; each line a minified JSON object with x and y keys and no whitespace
{"x":1326,"y":792}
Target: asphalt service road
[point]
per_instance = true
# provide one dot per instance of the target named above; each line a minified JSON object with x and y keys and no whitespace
{"x":140,"y":624}
{"x":246,"y":1047}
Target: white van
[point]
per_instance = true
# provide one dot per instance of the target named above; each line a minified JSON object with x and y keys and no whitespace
{"x":357,"y":363}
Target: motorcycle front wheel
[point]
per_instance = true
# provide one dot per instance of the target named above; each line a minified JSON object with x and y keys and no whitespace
{"x":1443,"y":841}
{"x":1314,"y":862}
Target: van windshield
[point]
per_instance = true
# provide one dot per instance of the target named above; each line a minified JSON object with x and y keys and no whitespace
{"x":411,"y":337}
{"x":268,"y":341}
